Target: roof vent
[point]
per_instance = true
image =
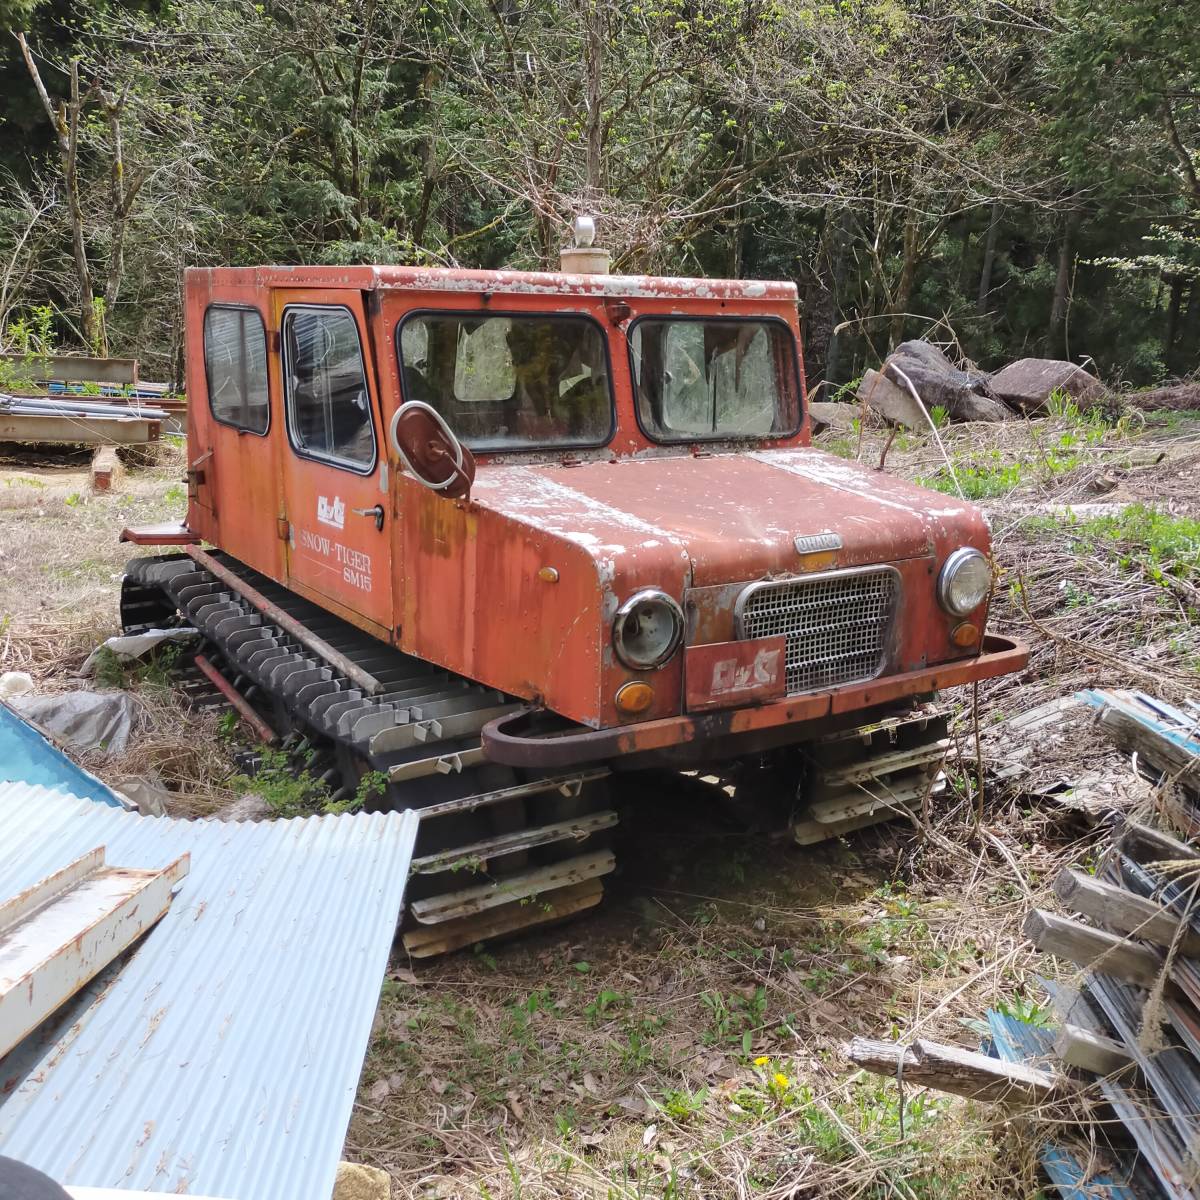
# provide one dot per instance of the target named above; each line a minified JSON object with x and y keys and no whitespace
{"x":584,"y":258}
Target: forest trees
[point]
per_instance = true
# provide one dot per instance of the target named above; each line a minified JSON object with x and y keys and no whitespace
{"x":992,"y":170}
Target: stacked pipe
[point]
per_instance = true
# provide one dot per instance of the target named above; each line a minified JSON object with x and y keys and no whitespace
{"x":45,"y":406}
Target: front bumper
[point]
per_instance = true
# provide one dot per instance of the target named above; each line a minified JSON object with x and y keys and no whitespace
{"x":506,"y":741}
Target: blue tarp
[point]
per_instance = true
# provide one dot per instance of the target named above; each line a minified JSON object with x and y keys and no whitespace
{"x":27,"y":757}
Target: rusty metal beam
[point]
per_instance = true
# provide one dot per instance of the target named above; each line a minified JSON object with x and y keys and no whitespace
{"x":71,"y":430}
{"x":285,"y":621}
{"x":74,"y":368}
{"x":240,"y":703}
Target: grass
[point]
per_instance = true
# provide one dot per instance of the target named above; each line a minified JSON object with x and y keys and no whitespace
{"x":684,"y":1042}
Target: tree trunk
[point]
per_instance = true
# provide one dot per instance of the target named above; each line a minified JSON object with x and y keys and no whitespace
{"x":984,"y":296}
{"x":902,"y":297}
{"x":65,"y":121}
{"x":1056,"y":336}
{"x":594,"y":129}
{"x":1173,"y":310}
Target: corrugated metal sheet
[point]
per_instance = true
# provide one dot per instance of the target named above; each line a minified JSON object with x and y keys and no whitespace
{"x":28,"y":757}
{"x":222,"y":1057}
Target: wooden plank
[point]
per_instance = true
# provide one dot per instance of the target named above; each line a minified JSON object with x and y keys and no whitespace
{"x":1088,"y":1051}
{"x":1145,"y":845}
{"x":1122,"y":911}
{"x":106,"y":469}
{"x":1128,"y":733}
{"x":56,"y":935}
{"x":959,"y":1071}
{"x":77,"y":431}
{"x":1095,"y":949}
{"x":73,"y":368}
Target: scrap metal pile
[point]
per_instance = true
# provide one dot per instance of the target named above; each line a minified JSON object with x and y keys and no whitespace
{"x":1126,"y":1052}
{"x":47,"y":419}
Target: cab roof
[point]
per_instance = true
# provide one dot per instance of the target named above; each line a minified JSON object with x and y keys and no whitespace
{"x":451,"y":279}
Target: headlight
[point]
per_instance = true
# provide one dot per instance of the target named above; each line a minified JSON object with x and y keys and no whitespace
{"x":647,"y":629}
{"x":965,"y":581}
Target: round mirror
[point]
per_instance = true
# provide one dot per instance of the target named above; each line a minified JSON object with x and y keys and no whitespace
{"x":430,"y":452}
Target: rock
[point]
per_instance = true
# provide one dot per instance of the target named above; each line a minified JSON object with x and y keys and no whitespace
{"x":964,"y":395}
{"x":829,"y":414}
{"x":892,"y":402}
{"x":145,"y":793}
{"x":15,"y":683}
{"x":357,"y":1182}
{"x":250,"y":807}
{"x":1178,"y":397}
{"x":1028,"y":383}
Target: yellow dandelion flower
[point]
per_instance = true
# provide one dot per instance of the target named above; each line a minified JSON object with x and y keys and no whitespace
{"x":761,"y":1060}
{"x":781,"y":1080}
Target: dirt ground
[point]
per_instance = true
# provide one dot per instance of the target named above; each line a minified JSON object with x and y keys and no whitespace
{"x":686,"y":1040}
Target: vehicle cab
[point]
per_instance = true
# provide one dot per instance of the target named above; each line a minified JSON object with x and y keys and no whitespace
{"x":650,"y":547}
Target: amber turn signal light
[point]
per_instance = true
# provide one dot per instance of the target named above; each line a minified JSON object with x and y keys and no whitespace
{"x":635,"y":697}
{"x":964,"y":634}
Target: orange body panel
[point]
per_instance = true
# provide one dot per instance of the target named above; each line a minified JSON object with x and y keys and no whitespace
{"x":517,"y":586}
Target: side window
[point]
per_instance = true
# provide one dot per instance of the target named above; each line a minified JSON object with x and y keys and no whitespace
{"x":235,"y":363}
{"x":329,"y":407}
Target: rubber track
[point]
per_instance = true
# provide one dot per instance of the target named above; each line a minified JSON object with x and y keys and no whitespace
{"x":423,"y":711}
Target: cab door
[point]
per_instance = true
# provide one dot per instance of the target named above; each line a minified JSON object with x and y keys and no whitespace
{"x":335,"y":466}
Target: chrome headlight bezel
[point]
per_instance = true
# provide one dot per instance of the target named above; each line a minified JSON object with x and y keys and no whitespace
{"x":964,"y":558}
{"x":621,"y":630}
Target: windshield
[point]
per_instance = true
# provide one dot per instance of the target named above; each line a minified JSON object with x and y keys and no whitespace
{"x":510,"y":382}
{"x":699,"y":380}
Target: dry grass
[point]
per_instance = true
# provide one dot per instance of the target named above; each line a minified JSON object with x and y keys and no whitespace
{"x":619,"y":1056}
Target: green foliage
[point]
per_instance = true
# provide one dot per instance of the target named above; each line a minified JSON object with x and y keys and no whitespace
{"x":286,"y":790}
{"x":156,"y":669}
{"x":1148,"y":540}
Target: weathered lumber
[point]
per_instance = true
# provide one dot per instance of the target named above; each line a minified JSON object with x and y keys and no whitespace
{"x":1090,"y":1051}
{"x":958,"y":1071}
{"x":1145,"y":845}
{"x":1095,"y":949}
{"x":73,"y":368}
{"x":68,"y":430}
{"x":1164,"y":755}
{"x":1123,"y":912}
{"x":106,"y":469}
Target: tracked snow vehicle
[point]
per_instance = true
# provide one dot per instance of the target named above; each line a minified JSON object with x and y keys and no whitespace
{"x":499,"y":535}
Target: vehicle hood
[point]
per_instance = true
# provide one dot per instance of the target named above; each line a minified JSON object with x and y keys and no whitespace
{"x":732,"y":516}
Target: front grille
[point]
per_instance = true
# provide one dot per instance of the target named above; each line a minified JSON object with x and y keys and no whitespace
{"x":837,"y":625}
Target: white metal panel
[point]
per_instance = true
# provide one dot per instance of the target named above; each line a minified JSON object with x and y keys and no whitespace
{"x":58,"y":934}
{"x":222,"y":1058}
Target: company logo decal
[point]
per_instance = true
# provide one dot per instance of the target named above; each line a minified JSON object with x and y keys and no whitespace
{"x":814,"y":543}
{"x":729,"y":675}
{"x":331,"y":512}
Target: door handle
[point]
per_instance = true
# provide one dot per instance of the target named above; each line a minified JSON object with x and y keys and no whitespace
{"x":376,"y":512}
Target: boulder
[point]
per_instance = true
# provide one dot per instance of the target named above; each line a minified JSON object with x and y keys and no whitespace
{"x":965,"y":395}
{"x":892,"y":402}
{"x":358,"y":1182}
{"x":831,"y":414}
{"x":1028,"y":383}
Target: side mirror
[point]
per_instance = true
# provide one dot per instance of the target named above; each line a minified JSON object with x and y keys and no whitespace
{"x":430,"y":452}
